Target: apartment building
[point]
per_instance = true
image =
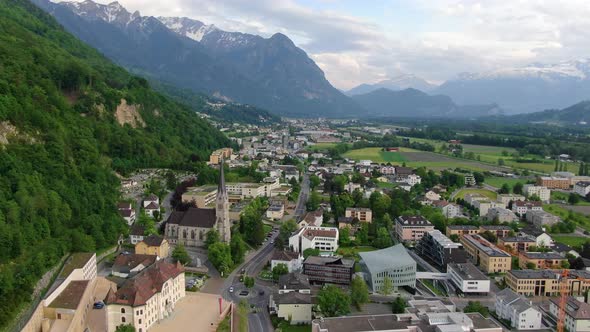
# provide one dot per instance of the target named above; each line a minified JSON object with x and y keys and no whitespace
{"x":438,"y":249}
{"x":518,"y":310}
{"x":551,"y":182}
{"x":498,"y":230}
{"x":468,"y":279}
{"x":514,"y":244}
{"x":362,"y":214}
{"x":329,"y":269}
{"x":487,"y":256}
{"x":461,"y":230}
{"x":322,"y":238}
{"x":202,"y":196}
{"x":501,"y":215}
{"x":522,"y":207}
{"x":217,"y":155}
{"x":507,"y":198}
{"x":541,"y":218}
{"x":546,"y":282}
{"x":292,"y":301}
{"x":543,"y":193}
{"x":540,"y":260}
{"x":582,"y":188}
{"x":577,"y":314}
{"x":485,"y":205}
{"x":412,"y":228}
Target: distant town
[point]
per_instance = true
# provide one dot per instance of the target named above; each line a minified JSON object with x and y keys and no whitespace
{"x":336,"y":226}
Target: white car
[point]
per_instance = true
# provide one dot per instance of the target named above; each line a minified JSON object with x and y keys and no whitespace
{"x":231,"y":289}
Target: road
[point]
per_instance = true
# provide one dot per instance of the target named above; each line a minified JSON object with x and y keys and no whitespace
{"x":303,"y":195}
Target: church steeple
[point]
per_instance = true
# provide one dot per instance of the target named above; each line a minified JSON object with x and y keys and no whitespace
{"x":222,"y":208}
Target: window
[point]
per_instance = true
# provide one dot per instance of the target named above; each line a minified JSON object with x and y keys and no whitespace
{"x":123,"y":319}
{"x":122,"y":310}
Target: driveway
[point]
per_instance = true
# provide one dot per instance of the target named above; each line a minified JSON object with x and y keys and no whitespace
{"x":195,"y":312}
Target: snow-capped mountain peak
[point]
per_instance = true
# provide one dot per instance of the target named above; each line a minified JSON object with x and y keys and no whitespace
{"x":187,"y":27}
{"x":114,"y":12}
{"x":576,"y":69}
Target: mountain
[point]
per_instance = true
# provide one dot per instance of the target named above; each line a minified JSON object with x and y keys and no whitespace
{"x":70,"y":120}
{"x":271,"y":73}
{"x":401,"y":82}
{"x":578,"y":114}
{"x":525,"y":89}
{"x":416,"y":104}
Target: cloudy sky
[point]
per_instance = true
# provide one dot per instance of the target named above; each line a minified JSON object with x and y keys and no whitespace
{"x":364,"y":41}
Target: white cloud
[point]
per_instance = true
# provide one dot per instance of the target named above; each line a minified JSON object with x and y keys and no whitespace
{"x":452,"y":36}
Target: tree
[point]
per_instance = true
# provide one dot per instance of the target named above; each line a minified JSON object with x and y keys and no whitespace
{"x":279,"y":270}
{"x":479,"y":178}
{"x":359,"y":292}
{"x":238,"y":248}
{"x":556,"y":168}
{"x":219,"y":255}
{"x":314,"y":181}
{"x":531,"y":266}
{"x":313,"y":202}
{"x":476,"y":306}
{"x":287,"y":228}
{"x":505,"y":189}
{"x":179,"y":254}
{"x":517,"y":188}
{"x":383,"y":239}
{"x":573,"y":199}
{"x":125,"y":328}
{"x":387,"y":287}
{"x":399,"y":305}
{"x":333,"y":301}
{"x":565,"y":264}
{"x":344,"y":236}
{"x":249,"y":281}
{"x":454,"y":237}
{"x":212,"y":237}
{"x":489,"y":236}
{"x":311,"y":252}
{"x":362,"y":235}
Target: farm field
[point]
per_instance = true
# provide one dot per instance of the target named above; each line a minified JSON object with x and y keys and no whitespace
{"x":375,"y":155}
{"x":488,"y":193}
{"x":570,"y":240}
{"x":321,"y":146}
{"x":497,"y":181}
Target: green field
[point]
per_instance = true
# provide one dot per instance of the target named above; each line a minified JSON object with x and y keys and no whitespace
{"x":321,"y":146}
{"x":496,"y":181}
{"x":375,"y":155}
{"x":490,"y":194}
{"x":572,"y":241}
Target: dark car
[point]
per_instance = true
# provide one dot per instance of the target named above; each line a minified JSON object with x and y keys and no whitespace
{"x":244,"y":293}
{"x":98,"y":305}
{"x":261,"y":292}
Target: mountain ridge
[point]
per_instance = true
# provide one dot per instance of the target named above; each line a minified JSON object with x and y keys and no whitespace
{"x":401,"y":82}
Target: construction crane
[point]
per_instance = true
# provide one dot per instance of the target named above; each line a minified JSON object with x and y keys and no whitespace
{"x":563,"y":292}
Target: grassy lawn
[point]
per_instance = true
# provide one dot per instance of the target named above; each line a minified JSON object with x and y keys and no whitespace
{"x":267,"y":228}
{"x":224,"y":325}
{"x":286,"y":327}
{"x":580,"y":219}
{"x":572,"y":241}
{"x":243,"y":311}
{"x":497,"y":181}
{"x":321,"y":146}
{"x":560,"y":196}
{"x":434,"y":289}
{"x":385,"y":185}
{"x":375,"y":155}
{"x":490,"y":194}
{"x":353,"y":252}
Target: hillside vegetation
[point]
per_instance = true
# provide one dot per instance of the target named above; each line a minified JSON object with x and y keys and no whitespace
{"x":61,"y":144}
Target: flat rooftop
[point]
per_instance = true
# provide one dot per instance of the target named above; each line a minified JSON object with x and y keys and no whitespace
{"x":71,"y":296}
{"x":391,"y":257}
{"x":387,"y":322}
{"x":485,"y":246}
{"x":76,"y":261}
{"x":467,"y":271}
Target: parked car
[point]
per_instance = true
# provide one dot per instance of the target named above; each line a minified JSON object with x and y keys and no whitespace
{"x":98,"y":305}
{"x":231,"y":289}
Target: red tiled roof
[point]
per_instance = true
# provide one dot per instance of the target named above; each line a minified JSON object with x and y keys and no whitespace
{"x":312,"y":233}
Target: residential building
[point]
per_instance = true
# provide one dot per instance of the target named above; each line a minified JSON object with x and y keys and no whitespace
{"x":292,"y":301}
{"x":293,"y":260}
{"x":387,"y":170}
{"x":362,"y":214}
{"x":191,"y":226}
{"x":151,"y":205}
{"x":322,"y":238}
{"x":582,"y":188}
{"x":412,"y":179}
{"x":328,"y":269}
{"x":541,"y":218}
{"x":313,"y":218}
{"x":518,"y":310}
{"x":469,"y":180}
{"x":485,"y":205}
{"x":275,"y":211}
{"x":136,"y":234}
{"x":472,"y":198}
{"x":507,"y":198}
{"x":521,"y":207}
{"x":431,"y":195}
{"x":153,"y":245}
{"x":498,"y":230}
{"x":514,"y":244}
{"x":129,"y":265}
{"x":542,"y":238}
{"x":487,"y":256}
{"x":147,"y":298}
{"x":577,"y":314}
{"x":461,"y":230}
{"x":547,"y":282}
{"x":245,"y":190}
{"x":438,"y":249}
{"x":449,"y":210}
{"x":127,"y":212}
{"x":411,"y":228}
{"x":202,"y":196}
{"x":551,"y":182}
{"x":468,"y":279}
{"x":351,"y":187}
{"x":394,"y":263}
{"x":540,"y":260}
{"x":542,"y":192}
{"x":501,"y":215}
{"x":220,"y":154}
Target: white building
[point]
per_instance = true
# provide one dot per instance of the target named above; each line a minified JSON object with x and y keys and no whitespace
{"x":485,"y":205}
{"x":322,"y":238}
{"x":151,"y":204}
{"x":413,"y":179}
{"x":518,"y":310}
{"x":394,"y":263}
{"x":577,"y":314}
{"x":451,"y":210}
{"x":582,"y":188}
{"x":501,"y":214}
{"x":293,"y":260}
{"x":543,"y":193}
{"x":507,"y":198}
{"x":275,"y":211}
{"x":292,"y":302}
{"x":468,"y":278}
{"x":521,"y":208}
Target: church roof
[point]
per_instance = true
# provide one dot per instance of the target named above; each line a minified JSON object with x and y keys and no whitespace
{"x":193,"y":217}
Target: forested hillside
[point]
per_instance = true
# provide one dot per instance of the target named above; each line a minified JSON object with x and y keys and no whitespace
{"x":68,"y":119}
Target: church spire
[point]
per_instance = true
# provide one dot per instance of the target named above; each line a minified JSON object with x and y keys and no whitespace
{"x":222,"y":208}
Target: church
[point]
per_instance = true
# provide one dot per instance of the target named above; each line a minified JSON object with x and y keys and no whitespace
{"x":190,"y":227}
